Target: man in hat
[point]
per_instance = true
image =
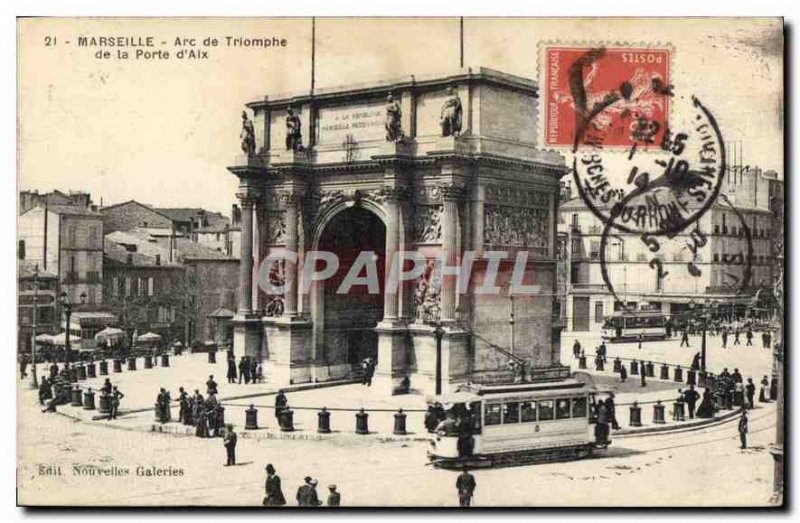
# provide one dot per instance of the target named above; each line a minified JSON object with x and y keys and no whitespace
{"x":750,"y":391}
{"x":465,"y":484}
{"x":116,"y":397}
{"x":230,"y":445}
{"x":744,"y":428}
{"x":690,"y":397}
{"x":274,"y":494}
{"x":211,"y":385}
{"x":334,"y":498}
{"x":307,"y":494}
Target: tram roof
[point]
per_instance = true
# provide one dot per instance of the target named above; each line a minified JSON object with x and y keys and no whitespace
{"x":476,"y":391}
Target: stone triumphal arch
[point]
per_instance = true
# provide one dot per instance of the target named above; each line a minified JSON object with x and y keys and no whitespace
{"x":447,"y":167}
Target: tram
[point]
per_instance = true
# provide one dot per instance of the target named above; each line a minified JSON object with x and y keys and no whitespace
{"x":623,"y":325}
{"x":515,"y":424}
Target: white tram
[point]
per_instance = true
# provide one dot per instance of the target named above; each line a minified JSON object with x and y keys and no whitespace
{"x":515,"y":424}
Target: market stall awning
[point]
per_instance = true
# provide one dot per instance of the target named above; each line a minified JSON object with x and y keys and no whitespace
{"x":61,"y":339}
{"x":111,"y":333}
{"x":149,"y":336}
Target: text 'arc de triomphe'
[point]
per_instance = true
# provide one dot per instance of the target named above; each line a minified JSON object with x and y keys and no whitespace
{"x":439,"y":165}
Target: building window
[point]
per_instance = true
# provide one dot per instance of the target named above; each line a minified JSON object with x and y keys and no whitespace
{"x":21,"y":250}
{"x":71,"y":234}
{"x":716,"y":257}
{"x":150,"y":286}
{"x":598,"y":312}
{"x":128,"y":286}
{"x":115,"y":286}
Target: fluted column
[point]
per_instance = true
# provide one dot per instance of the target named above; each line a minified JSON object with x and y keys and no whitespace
{"x":245,"y":302}
{"x":290,"y":202}
{"x":451,"y":195}
{"x":390,"y":305}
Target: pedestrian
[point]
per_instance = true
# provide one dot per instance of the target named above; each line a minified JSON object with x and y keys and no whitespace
{"x":280,"y":404}
{"x":623,"y":373}
{"x":696,"y":362}
{"x":45,"y":391}
{"x":707,"y":408}
{"x":272,"y":487}
{"x":334,"y":498}
{"x":724,"y":338}
{"x":601,"y":427}
{"x":465,"y":484}
{"x":230,"y":445}
{"x":685,"y":337}
{"x":767,"y":339}
{"x":243,"y":370}
{"x":641,"y":337}
{"x":773,"y":389}
{"x":307,"y":493}
{"x":23,"y":366}
{"x":211,"y":385}
{"x":183,"y":402}
{"x":749,"y":336}
{"x":231,"y":369}
{"x":611,"y":409}
{"x":116,"y":397}
{"x":736,"y":337}
{"x":576,"y":349}
{"x":642,"y":375}
{"x":762,"y":395}
{"x":253,"y":370}
{"x":750,"y":391}
{"x":744,"y":428}
{"x":691,"y":396}
{"x":259,"y":374}
{"x":106,"y":388}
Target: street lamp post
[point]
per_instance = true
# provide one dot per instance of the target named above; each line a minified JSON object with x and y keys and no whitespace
{"x":438,"y":332}
{"x":67,"y":305}
{"x":34,"y":380}
{"x":511,"y":319}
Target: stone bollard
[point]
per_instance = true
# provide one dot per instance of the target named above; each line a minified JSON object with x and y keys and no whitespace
{"x":678,"y":374}
{"x":324,"y":421}
{"x":362,"y":422}
{"x":132,"y":363}
{"x":103,"y":368}
{"x":212,"y":356}
{"x":88,"y":400}
{"x":91,"y":370}
{"x":73,"y":375}
{"x":636,"y":415}
{"x":148,"y":362}
{"x":598,"y":364}
{"x":677,"y":413}
{"x":658,"y":413}
{"x":651,"y":370}
{"x":617,"y":365}
{"x":664,"y":371}
{"x":702,"y":380}
{"x":287,"y":420}
{"x":81,"y":370}
{"x":165,"y":360}
{"x":691,"y":377}
{"x":251,"y":418}
{"x":634,"y":368}
{"x":582,"y":362}
{"x":77,"y":401}
{"x":105,"y":404}
{"x":400,"y":423}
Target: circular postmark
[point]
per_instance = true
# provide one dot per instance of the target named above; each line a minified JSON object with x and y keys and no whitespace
{"x":658,"y":193}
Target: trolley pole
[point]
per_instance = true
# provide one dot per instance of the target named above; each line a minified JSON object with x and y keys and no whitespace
{"x":511,"y":318}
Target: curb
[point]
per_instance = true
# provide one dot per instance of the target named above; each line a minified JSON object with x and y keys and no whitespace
{"x":687,"y":426}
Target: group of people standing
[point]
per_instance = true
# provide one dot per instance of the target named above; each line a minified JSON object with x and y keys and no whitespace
{"x":206,"y":414}
{"x":249,"y":370}
{"x":306,"y":494}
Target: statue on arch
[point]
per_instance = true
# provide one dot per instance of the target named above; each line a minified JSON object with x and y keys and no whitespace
{"x":451,"y":114}
{"x":248,"y":136}
{"x":294,"y":137}
{"x":394,"y":129}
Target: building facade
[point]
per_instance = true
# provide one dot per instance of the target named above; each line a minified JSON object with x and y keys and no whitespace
{"x":719,"y":261}
{"x":37,"y":304}
{"x":440,"y":166}
{"x":133,"y":215}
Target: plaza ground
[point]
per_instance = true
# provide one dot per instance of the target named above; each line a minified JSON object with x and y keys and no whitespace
{"x":696,"y":467}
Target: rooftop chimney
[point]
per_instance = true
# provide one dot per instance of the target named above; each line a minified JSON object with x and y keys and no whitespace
{"x":158,"y":259}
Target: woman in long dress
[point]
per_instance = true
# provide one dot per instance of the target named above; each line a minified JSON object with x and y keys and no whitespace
{"x":274,"y":494}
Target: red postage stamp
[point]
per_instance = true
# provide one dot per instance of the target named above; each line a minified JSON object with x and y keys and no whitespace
{"x":623,"y":91}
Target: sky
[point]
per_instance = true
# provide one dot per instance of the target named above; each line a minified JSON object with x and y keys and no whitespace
{"x":163,"y":131}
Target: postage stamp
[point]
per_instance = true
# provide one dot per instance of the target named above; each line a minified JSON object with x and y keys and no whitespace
{"x":639,"y":74}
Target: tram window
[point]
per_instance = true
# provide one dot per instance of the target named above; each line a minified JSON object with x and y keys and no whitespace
{"x":528,"y":411}
{"x":545,"y":410}
{"x":511,"y":412}
{"x":492,"y":414}
{"x":562,"y":409}
{"x":578,"y":407}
